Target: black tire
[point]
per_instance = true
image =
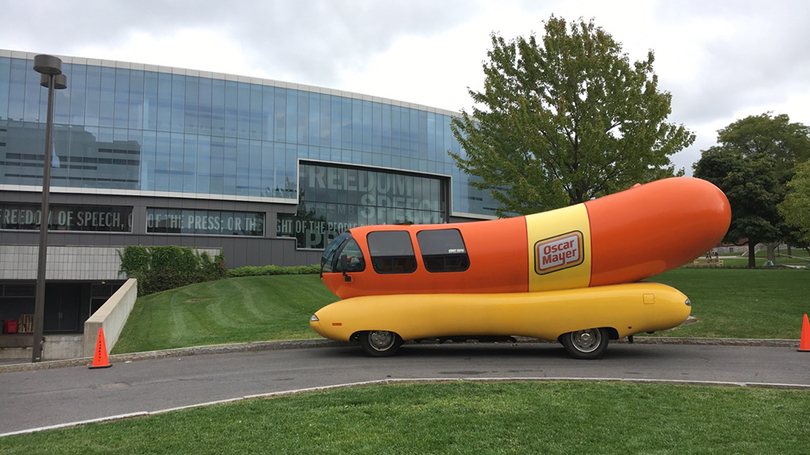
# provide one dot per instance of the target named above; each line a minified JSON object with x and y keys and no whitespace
{"x":586,"y":344}
{"x":380,"y":343}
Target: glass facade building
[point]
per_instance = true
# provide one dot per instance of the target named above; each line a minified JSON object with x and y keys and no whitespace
{"x":145,"y":154}
{"x":140,"y":130}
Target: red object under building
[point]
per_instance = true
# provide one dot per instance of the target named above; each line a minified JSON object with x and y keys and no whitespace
{"x":9,"y":326}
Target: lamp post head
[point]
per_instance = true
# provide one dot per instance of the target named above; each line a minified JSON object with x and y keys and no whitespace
{"x":59,"y":81}
{"x":47,"y":64}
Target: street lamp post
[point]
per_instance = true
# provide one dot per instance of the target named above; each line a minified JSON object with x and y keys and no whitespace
{"x":50,"y":68}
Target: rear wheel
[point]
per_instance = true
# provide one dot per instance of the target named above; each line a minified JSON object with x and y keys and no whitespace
{"x":586,"y":344}
{"x":380,"y":343}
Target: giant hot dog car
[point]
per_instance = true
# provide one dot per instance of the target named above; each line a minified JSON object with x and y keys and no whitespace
{"x":571,"y":274}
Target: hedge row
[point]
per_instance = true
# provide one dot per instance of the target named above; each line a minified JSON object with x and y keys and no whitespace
{"x":273,"y":270}
{"x":159,"y":268}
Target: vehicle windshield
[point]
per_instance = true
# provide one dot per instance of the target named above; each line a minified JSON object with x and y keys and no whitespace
{"x":328,"y":258}
{"x":343,"y":244}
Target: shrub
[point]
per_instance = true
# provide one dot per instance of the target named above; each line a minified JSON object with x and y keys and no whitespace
{"x":134,"y":259}
{"x":159,"y":268}
{"x":274,"y":270}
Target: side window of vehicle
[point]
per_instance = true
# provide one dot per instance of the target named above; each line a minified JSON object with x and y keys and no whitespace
{"x":355,"y":261}
{"x":391,"y":252}
{"x":329,"y":258}
{"x":443,"y":250}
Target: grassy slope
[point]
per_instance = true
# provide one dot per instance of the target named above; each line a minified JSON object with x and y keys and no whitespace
{"x":463,"y":418}
{"x":741,"y":303}
{"x":225,"y":311}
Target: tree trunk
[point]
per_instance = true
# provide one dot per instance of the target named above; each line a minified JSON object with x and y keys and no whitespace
{"x":752,"y":255}
{"x":772,"y":252}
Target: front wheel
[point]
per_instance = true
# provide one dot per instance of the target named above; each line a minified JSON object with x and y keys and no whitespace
{"x":586,"y":344}
{"x":380,"y":343}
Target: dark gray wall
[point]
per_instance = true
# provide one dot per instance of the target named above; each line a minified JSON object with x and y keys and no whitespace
{"x":239,"y":251}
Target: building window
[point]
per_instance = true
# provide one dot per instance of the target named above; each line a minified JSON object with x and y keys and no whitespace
{"x":333,"y":199}
{"x":204,"y":222}
{"x":391,"y":252}
{"x":443,"y":250}
{"x":82,"y":218}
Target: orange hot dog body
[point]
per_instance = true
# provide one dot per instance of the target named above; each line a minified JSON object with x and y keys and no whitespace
{"x":653,"y":228}
{"x":620,"y":238}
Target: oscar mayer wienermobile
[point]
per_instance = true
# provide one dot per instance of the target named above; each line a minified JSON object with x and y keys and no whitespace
{"x":570,"y":275}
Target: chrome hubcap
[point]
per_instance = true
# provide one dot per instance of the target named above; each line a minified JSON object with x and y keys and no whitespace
{"x":586,"y":340}
{"x":381,"y":340}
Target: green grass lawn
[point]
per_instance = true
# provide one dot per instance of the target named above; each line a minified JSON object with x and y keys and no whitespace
{"x":462,"y":418}
{"x":225,"y":311}
{"x":728,"y":303}
{"x":742,"y":303}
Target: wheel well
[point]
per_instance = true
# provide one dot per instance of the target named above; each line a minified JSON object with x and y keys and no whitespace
{"x":613,"y":334}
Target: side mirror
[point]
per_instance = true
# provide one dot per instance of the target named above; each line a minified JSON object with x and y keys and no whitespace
{"x":344,"y":265}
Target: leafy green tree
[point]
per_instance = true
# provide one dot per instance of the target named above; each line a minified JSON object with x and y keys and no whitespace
{"x":796,"y":206}
{"x":752,"y":164}
{"x":565,"y":119}
{"x":752,"y":192}
{"x":762,"y":135}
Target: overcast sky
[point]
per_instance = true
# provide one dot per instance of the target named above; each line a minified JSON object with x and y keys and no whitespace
{"x":720,"y":60}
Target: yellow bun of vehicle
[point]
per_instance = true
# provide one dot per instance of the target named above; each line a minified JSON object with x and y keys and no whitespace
{"x":619,"y":310}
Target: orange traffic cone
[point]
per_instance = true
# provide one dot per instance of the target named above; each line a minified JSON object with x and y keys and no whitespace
{"x":100,"y":360}
{"x":804,"y":344}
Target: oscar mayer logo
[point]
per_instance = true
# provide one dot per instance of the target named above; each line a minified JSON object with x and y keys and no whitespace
{"x":557,"y":253}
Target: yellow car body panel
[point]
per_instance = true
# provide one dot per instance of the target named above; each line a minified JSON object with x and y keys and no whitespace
{"x":628,"y":308}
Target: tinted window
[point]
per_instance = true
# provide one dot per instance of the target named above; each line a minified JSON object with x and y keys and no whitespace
{"x":443,"y":250}
{"x":391,"y":252}
{"x":354,"y":257}
{"x":210,"y":222}
{"x":67,"y":217}
{"x":328,"y":258}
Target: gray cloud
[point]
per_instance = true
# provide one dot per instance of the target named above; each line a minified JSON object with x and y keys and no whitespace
{"x":307,"y":42}
{"x":762,"y":62}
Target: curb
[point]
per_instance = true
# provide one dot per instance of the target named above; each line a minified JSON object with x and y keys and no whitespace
{"x":322,"y":343}
{"x":178,"y":352}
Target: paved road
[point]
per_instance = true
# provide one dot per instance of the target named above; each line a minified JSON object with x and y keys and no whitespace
{"x":41,"y":398}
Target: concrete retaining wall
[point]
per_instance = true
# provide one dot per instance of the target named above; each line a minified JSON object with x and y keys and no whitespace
{"x":54,"y":347}
{"x":111,"y":317}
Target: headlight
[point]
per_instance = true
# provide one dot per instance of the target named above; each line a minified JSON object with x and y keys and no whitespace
{"x":314,"y":318}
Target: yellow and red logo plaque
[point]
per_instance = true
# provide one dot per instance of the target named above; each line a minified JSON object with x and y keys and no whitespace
{"x":557,"y":253}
